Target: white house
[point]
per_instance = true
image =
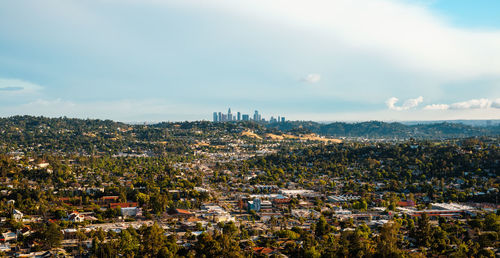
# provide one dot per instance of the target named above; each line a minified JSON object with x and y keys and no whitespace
{"x":8,"y":236}
{"x":17,"y":215}
{"x":76,"y":217}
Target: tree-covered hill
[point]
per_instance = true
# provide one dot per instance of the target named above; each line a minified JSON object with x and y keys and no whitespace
{"x":376,"y":129}
{"x":106,"y":136}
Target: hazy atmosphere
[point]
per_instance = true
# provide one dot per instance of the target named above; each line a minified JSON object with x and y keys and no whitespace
{"x":317,"y":60}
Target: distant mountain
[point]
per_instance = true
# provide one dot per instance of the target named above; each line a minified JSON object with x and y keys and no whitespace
{"x":489,"y":122}
{"x":376,"y":129}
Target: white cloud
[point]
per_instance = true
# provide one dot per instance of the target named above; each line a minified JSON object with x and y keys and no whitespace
{"x":391,"y":103}
{"x":472,"y":104}
{"x":312,"y":78}
{"x":469,"y":104}
{"x":496,"y":103}
{"x":437,"y":107}
{"x":408,"y":104}
{"x":407,"y":33}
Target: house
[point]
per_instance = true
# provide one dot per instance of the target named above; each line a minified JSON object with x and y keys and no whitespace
{"x":17,"y":215}
{"x":180,"y":213}
{"x":76,"y":217}
{"x":8,"y":236}
{"x":25,"y":231}
{"x":264,"y":251}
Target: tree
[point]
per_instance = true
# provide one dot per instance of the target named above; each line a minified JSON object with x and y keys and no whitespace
{"x":423,"y":231}
{"x":207,"y":246}
{"x":322,"y":227}
{"x":128,"y":243}
{"x":388,"y":240}
{"x":153,"y":242}
{"x":52,"y":236}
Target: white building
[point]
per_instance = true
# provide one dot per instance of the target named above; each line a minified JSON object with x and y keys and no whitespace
{"x":130,"y":211}
{"x":8,"y":236}
{"x":17,"y":215}
{"x":216,"y":213}
{"x":76,"y":217}
{"x":298,"y":192}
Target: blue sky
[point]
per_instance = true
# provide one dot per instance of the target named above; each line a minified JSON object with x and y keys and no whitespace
{"x":165,"y":60}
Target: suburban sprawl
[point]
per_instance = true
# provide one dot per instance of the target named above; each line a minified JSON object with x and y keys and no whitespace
{"x":99,"y":188}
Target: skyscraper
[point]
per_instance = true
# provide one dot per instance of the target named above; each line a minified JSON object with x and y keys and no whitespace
{"x":238,"y":116}
{"x":256,"y":116}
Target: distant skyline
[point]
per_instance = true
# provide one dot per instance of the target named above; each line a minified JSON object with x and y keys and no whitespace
{"x":321,"y":60}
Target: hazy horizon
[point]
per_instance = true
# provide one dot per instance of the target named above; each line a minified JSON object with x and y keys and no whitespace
{"x":474,"y":122}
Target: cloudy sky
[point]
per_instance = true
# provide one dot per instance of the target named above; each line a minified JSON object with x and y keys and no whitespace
{"x":326,"y":60}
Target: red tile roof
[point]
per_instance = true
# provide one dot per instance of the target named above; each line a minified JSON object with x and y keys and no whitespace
{"x":181,"y":211}
{"x":263,"y":250}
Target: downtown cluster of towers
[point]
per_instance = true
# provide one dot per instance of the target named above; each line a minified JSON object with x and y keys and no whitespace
{"x":221,"y":117}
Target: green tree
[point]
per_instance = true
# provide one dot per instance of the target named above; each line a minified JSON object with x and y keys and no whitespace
{"x":389,"y":240}
{"x":52,"y":236}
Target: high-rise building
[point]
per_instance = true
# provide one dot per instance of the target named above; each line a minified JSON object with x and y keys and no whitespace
{"x":238,"y":116}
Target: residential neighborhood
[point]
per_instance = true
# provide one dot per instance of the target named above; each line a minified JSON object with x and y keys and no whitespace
{"x":253,"y":197}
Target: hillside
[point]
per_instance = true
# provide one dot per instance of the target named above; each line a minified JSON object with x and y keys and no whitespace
{"x":376,"y":129}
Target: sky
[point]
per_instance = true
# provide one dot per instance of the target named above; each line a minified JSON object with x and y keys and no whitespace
{"x":322,"y":60}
